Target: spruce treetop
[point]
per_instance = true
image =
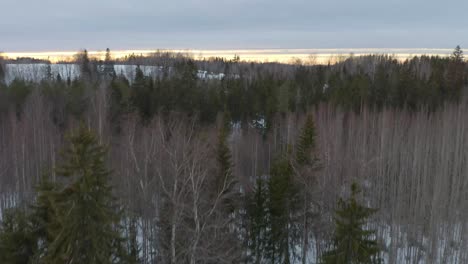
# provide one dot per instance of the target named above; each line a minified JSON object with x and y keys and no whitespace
{"x":352,"y":242}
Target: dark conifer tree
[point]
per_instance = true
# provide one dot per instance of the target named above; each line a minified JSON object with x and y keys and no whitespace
{"x":85,"y":65}
{"x":257,"y":222}
{"x":352,"y":242}
{"x":108,"y":71}
{"x":455,"y":74}
{"x":282,"y":209}
{"x":121,"y":100}
{"x":78,"y":98}
{"x":17,"y":241}
{"x":85,"y":208}
{"x":48,"y":72}
{"x":18,"y":92}
{"x":306,"y":142}
{"x":43,"y":217}
{"x":2,"y":70}
{"x":185,"y":92}
{"x":305,"y":165}
{"x":457,"y":54}
{"x":223,"y":155}
{"x":142,"y":89}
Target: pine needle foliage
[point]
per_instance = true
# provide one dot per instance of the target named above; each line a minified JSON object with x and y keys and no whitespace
{"x":85,"y":208}
{"x":352,"y":242}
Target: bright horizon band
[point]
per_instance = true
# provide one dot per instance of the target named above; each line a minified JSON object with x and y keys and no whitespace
{"x":312,"y":56}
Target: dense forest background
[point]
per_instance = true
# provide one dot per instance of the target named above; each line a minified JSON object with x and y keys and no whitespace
{"x":254,"y":165}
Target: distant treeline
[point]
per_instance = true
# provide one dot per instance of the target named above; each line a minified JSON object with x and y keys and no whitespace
{"x":255,"y":167}
{"x":250,"y":90}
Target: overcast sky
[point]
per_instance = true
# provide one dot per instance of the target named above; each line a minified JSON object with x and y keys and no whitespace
{"x":50,"y":25}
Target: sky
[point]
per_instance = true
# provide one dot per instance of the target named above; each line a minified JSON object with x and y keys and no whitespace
{"x":55,"y":25}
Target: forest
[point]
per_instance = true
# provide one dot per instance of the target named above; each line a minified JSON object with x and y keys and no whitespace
{"x":360,"y":161}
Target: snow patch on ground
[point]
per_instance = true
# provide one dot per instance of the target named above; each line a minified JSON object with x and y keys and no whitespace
{"x":40,"y":71}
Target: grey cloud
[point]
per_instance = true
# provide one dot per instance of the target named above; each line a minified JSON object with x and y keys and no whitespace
{"x":54,"y":24}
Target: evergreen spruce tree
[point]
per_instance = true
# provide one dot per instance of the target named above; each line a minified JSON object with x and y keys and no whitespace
{"x":306,"y":142}
{"x":48,"y":72}
{"x":305,"y":164}
{"x":457,"y":54}
{"x":2,"y":70}
{"x":257,"y":213}
{"x":120,"y":100}
{"x":85,"y":65}
{"x":283,"y":97}
{"x":142,"y":89}
{"x":18,"y":92}
{"x":108,"y":70}
{"x":456,"y":74}
{"x":77,"y":98}
{"x":282,"y":207}
{"x":17,"y":241}
{"x":43,"y":216}
{"x":224,"y":153}
{"x":85,"y":208}
{"x":352,"y":243}
{"x":224,"y":180}
{"x":274,"y":230}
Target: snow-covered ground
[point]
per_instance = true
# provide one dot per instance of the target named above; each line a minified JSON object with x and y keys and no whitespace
{"x":40,"y":71}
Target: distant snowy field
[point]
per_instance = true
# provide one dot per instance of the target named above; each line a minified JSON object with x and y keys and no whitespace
{"x":39,"y":71}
